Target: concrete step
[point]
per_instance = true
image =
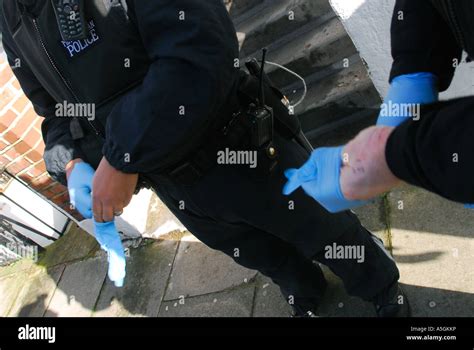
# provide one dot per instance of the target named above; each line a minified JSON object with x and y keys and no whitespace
{"x":272,"y":20}
{"x":341,"y":97}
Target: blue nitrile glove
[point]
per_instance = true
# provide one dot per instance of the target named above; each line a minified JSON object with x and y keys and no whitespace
{"x":469,"y":206}
{"x":417,"y":88}
{"x":109,"y":239}
{"x":320,"y":178}
{"x":79,"y":186}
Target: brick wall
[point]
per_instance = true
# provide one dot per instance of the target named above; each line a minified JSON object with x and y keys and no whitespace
{"x":21,"y":144}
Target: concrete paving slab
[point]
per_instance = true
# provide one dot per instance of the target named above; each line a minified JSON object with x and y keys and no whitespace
{"x":199,"y":270}
{"x":235,"y":302}
{"x":36,"y":295}
{"x":10,"y":286}
{"x":75,"y":245}
{"x":22,"y":265}
{"x":433,"y":244}
{"x":160,"y":221}
{"x":269,"y":302}
{"x":148,"y":269}
{"x":78,"y":289}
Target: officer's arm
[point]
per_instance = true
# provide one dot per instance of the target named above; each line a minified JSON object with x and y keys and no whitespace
{"x":192,"y":45}
{"x":422,"y":42}
{"x":60,"y":148}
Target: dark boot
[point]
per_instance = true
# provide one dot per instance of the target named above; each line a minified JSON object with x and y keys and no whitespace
{"x":398,"y":306}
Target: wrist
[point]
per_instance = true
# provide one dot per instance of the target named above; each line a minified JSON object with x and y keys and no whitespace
{"x":70,"y":166}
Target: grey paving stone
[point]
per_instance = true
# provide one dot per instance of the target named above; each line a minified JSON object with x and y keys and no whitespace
{"x":10,"y":287}
{"x":200,"y":270}
{"x":22,"y":265}
{"x":78,"y":289}
{"x":76,"y":244}
{"x":148,"y":269}
{"x":36,"y":295}
{"x":236,"y":302}
{"x":269,"y":302}
{"x":433,"y":244}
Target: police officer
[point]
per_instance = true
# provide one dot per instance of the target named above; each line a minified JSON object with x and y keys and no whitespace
{"x":429,"y":146}
{"x":168,"y":96}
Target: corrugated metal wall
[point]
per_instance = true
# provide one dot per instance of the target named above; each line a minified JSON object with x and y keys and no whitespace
{"x":307,"y":37}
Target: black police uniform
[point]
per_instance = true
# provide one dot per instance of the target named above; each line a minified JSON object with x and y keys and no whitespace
{"x":163,"y":78}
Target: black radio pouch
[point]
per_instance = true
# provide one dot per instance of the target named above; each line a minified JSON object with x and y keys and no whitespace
{"x":287,"y":125}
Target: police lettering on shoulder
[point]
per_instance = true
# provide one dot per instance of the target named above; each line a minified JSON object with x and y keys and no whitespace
{"x":77,"y":47}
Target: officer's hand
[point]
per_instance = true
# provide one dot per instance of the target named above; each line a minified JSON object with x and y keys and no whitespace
{"x":113,"y":191}
{"x":109,"y":240}
{"x":319,"y":178}
{"x":79,"y":182}
{"x":405,"y":91}
{"x":365,"y":173}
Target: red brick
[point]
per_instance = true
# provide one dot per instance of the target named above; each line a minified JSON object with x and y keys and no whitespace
{"x":21,"y":103}
{"x":47,"y":193}
{"x":6,"y":97}
{"x":3,"y":161}
{"x":8,"y":118}
{"x":18,"y":166}
{"x":12,"y":153}
{"x":26,"y":177}
{"x":32,"y":137}
{"x":10,"y":137}
{"x":31,"y":115}
{"x":22,"y":147}
{"x":61,"y":199}
{"x":23,"y":125}
{"x":58,"y":188}
{"x":34,"y":156}
{"x":38,"y":122}
{"x":5,"y":75}
{"x":40,"y":147}
{"x":38,"y":169}
{"x":3,"y":145}
{"x":42,"y":182}
{"x":16,"y":84}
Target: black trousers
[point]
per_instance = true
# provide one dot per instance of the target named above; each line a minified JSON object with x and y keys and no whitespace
{"x":233,"y":210}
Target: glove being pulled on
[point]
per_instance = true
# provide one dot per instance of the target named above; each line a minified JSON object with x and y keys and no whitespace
{"x":109,"y":239}
{"x":320,"y":178}
{"x":405,"y":91}
{"x":79,"y":187}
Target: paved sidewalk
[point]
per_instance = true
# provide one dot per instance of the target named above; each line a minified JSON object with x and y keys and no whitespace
{"x":432,"y":241}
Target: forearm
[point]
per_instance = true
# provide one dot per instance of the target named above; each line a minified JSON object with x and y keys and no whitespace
{"x":422,"y":41}
{"x":436,"y":152}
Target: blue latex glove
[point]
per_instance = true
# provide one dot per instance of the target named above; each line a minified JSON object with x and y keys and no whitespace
{"x":80,"y":187}
{"x":109,"y":239}
{"x":469,"y":206}
{"x":320,"y":178}
{"x":417,"y":88}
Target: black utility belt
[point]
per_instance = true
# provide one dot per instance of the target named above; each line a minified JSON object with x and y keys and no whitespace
{"x":248,"y":133}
